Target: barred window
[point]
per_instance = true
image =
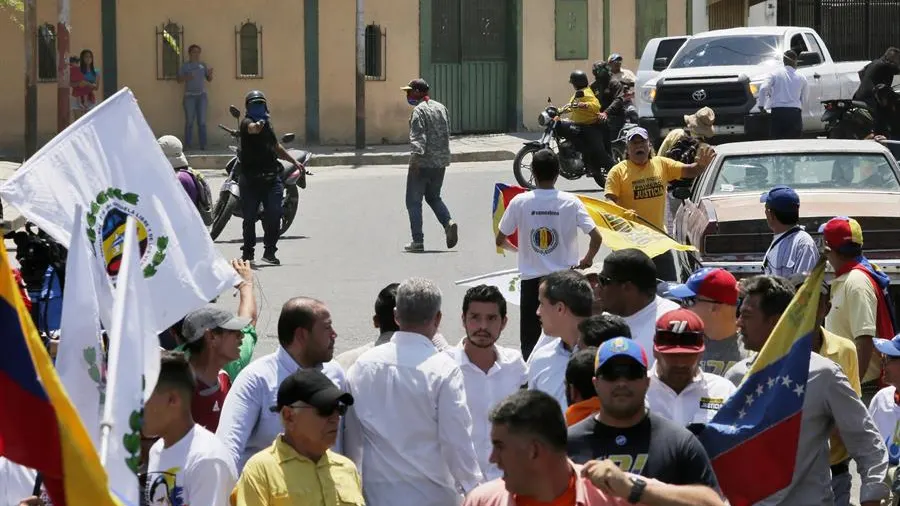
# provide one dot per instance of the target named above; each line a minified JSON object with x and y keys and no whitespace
{"x":169,"y":50}
{"x":376,"y":49}
{"x":46,"y":52}
{"x":249,"y":53}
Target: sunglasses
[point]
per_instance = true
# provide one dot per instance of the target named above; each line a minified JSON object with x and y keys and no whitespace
{"x":692,"y":301}
{"x":685,"y":339}
{"x":340,"y":408}
{"x":615,"y":372}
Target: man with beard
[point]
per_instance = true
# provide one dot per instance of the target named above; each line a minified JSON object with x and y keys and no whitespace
{"x":306,"y":341}
{"x":625,"y":432}
{"x":490,"y":372}
{"x":679,"y":390}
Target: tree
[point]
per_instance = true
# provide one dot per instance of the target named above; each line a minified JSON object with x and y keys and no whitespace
{"x":15,"y":9}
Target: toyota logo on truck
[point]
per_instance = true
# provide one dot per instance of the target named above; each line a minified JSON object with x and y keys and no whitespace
{"x":699,"y":95}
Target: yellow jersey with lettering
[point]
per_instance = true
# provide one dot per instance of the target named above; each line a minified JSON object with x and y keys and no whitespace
{"x":642,"y":188}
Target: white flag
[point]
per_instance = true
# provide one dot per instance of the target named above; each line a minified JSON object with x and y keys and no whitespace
{"x":110,"y":163}
{"x":79,"y":359}
{"x":508,"y":282}
{"x":133,"y":370}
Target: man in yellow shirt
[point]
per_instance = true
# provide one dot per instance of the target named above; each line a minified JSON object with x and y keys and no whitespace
{"x":584,"y":111}
{"x":842,"y":352}
{"x":299,"y":469}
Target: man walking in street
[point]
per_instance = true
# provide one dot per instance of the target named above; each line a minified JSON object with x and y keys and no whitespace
{"x":784,"y":93}
{"x":549,"y":220}
{"x":792,"y":250}
{"x":429,"y":140}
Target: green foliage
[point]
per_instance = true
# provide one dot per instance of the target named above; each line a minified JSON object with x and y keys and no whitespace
{"x":15,"y":9}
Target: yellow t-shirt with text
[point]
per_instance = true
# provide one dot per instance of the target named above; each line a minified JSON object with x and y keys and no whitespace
{"x":642,"y":188}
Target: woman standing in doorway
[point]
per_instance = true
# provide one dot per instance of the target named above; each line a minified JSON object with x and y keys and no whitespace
{"x":85,"y":87}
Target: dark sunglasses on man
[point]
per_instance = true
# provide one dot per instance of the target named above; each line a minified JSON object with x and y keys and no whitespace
{"x":669,"y":339}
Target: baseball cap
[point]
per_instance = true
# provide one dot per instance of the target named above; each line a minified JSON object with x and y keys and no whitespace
{"x":417,"y":85}
{"x":621,"y":347}
{"x":713,"y":283}
{"x":637,"y":131}
{"x":841,"y":231}
{"x":889,"y":347}
{"x":174,"y":151}
{"x":615,"y":57}
{"x":310,"y":386}
{"x":679,"y":331}
{"x":198,"y":322}
{"x":781,"y":198}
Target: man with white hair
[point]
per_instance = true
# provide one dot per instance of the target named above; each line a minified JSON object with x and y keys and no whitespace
{"x":409,"y":430}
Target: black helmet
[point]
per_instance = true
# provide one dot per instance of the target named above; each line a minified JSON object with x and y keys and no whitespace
{"x":600,"y":68}
{"x":578,"y":79}
{"x":254,"y":97}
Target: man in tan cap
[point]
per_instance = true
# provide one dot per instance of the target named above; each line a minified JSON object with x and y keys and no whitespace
{"x":682,"y":145}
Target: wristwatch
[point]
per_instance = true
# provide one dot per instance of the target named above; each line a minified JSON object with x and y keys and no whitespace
{"x":637,"y":489}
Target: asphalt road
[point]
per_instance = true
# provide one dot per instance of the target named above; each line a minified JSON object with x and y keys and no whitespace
{"x":347,"y":244}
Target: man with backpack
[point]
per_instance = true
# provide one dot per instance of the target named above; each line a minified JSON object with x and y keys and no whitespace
{"x":681,"y":145}
{"x":193,"y":182}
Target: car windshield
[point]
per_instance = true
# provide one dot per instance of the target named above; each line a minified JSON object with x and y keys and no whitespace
{"x":730,"y":50}
{"x":845,"y":171}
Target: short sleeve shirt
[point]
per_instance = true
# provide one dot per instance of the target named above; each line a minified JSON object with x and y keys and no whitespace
{"x":642,"y":188}
{"x":548,"y":222}
{"x":854,"y":305}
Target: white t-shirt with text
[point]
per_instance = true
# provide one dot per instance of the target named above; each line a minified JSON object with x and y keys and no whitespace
{"x":548,"y":223}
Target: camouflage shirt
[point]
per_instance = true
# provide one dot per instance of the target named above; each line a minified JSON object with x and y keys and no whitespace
{"x":429,"y":134}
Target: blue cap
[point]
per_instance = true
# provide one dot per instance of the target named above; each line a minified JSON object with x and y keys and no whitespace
{"x":887,"y":347}
{"x":781,"y":198}
{"x":622,"y":347}
{"x":634,"y":132}
{"x":614,"y":57}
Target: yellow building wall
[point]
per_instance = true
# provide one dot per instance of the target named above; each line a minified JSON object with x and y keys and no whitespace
{"x":387,"y":112}
{"x":85,"y":34}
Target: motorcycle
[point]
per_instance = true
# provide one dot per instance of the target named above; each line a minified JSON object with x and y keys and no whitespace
{"x":846,"y":119}
{"x":558,"y":137}
{"x":620,"y":145}
{"x":229,"y":202}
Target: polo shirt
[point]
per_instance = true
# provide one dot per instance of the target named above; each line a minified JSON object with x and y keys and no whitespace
{"x":279,"y":475}
{"x":698,"y":403}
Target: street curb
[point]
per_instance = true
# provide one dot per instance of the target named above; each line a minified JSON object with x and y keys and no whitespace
{"x":218,"y":161}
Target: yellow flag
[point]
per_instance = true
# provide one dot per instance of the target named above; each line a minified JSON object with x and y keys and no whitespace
{"x":621,"y":233}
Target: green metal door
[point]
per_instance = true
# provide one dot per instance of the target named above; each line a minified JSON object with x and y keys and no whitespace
{"x":468,"y":58}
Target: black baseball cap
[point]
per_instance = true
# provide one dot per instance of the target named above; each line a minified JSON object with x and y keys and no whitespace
{"x":417,"y":85}
{"x":312,"y":387}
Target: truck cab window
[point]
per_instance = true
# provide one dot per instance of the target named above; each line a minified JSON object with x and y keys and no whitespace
{"x":798,"y":45}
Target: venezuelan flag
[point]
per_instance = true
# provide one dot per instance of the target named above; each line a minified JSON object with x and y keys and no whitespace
{"x":39,"y":428}
{"x":752,"y":440}
{"x":502,"y":195}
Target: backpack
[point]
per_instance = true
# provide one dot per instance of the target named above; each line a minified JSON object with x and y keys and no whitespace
{"x":204,"y":201}
{"x":684,"y":150}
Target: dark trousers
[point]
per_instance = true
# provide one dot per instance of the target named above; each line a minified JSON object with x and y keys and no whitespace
{"x":786,"y":123}
{"x":268,"y":192}
{"x":529,"y":323}
{"x":593,"y":141}
{"x":665,"y":266}
{"x":425,"y":183}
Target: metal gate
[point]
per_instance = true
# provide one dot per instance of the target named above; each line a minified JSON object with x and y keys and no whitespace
{"x":468,"y":58}
{"x":852,"y":29}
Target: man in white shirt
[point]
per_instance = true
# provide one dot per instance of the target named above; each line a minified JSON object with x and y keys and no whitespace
{"x":187,"y":464}
{"x":490,"y":372}
{"x":306,"y":340}
{"x":565,"y":301}
{"x":409,"y":430}
{"x":383,"y":320}
{"x":547,"y":221}
{"x":628,"y":283}
{"x":793,"y":250}
{"x":784,"y":93}
{"x":679,"y":389}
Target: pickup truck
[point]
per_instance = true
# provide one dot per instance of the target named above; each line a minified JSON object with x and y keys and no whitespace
{"x":724,"y":70}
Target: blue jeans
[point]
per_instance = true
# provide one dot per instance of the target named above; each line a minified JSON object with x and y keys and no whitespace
{"x":268,"y":192}
{"x":425,"y":183}
{"x":195,"y":112}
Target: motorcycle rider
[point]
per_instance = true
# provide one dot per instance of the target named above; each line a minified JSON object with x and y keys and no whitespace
{"x":887,"y":112}
{"x":611,"y":94}
{"x":879,"y":71}
{"x":259,"y":181}
{"x":585,"y":113}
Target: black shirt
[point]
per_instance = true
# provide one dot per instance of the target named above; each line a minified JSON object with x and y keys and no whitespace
{"x":611,"y":96}
{"x":876,"y":72}
{"x":258,"y":156}
{"x":655,"y":448}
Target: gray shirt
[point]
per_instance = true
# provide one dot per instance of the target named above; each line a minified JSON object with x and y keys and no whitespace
{"x":830,"y":403}
{"x":721,"y":355}
{"x":429,"y":134}
{"x":791,"y":254}
{"x":197,"y":85}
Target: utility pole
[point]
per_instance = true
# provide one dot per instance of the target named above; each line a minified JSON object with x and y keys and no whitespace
{"x":30,"y":29}
{"x":63,"y":105}
{"x":360,"y":76}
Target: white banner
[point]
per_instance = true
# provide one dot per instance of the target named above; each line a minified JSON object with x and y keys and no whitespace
{"x":109,"y":163}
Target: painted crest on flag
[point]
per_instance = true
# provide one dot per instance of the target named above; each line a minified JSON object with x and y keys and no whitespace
{"x":106,"y":232}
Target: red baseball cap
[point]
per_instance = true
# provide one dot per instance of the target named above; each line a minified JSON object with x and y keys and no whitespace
{"x":713,"y":283}
{"x":679,"y":331}
{"x":840,"y":232}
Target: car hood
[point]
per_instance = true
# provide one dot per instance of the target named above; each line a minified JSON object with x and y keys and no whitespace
{"x":813,"y":204}
{"x":754,"y":72}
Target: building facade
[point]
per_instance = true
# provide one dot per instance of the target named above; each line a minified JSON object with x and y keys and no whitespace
{"x":494,"y":63}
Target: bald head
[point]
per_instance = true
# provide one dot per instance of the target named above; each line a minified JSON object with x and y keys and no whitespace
{"x":298,"y":312}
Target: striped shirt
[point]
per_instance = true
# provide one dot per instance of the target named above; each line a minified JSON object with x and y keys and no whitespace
{"x":791,"y":253}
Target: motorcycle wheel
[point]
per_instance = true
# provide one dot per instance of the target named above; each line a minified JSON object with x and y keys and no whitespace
{"x":222,"y":213}
{"x":289,"y":208}
{"x":517,"y":167}
{"x":618,"y":153}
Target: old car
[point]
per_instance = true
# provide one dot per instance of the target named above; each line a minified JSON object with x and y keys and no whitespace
{"x":721,"y":215}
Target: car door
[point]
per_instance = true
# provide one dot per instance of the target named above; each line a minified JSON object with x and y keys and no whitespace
{"x":660,"y":47}
{"x":825,"y":77}
{"x":812,"y":107}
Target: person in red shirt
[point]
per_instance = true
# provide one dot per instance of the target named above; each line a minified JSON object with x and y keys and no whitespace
{"x":213,"y":338}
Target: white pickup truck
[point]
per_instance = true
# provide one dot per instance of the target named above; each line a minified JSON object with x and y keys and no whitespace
{"x":724,"y":70}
